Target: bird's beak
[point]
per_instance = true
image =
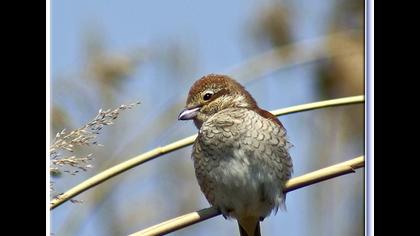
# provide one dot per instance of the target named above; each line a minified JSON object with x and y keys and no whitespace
{"x":188,"y":113}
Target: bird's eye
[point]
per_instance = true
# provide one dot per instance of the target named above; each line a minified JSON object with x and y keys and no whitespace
{"x":207,"y":96}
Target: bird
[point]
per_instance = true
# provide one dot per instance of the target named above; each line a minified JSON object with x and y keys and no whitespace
{"x":241,"y":153}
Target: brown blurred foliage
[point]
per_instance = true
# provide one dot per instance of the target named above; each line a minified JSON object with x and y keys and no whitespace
{"x":272,"y":25}
{"x":344,"y":76}
{"x":59,"y":119}
{"x":341,"y":128}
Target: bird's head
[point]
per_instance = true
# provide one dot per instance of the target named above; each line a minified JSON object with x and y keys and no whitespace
{"x":213,"y":93}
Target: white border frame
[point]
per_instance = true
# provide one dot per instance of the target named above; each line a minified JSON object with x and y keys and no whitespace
{"x":369,"y":114}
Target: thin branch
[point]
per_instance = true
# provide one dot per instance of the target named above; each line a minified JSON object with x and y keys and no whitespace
{"x":318,"y":105}
{"x":293,"y":184}
{"x":150,"y":155}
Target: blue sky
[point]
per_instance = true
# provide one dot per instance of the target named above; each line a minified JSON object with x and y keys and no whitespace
{"x":213,"y":26}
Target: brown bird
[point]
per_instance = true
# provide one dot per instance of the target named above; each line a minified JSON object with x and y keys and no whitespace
{"x":241,"y":156}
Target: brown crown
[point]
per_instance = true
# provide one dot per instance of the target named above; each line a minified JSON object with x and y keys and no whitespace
{"x":229,"y":84}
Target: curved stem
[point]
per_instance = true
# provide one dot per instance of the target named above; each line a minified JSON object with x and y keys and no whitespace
{"x":293,"y":184}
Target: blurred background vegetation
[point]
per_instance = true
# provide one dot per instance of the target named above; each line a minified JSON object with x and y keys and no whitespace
{"x":108,"y":54}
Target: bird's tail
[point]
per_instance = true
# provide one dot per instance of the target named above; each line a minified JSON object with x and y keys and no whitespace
{"x":249,"y":227}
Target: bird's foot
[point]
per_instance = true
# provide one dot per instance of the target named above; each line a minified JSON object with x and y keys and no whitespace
{"x":226,"y":213}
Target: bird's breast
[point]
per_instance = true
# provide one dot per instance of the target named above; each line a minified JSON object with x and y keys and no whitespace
{"x":241,"y":162}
